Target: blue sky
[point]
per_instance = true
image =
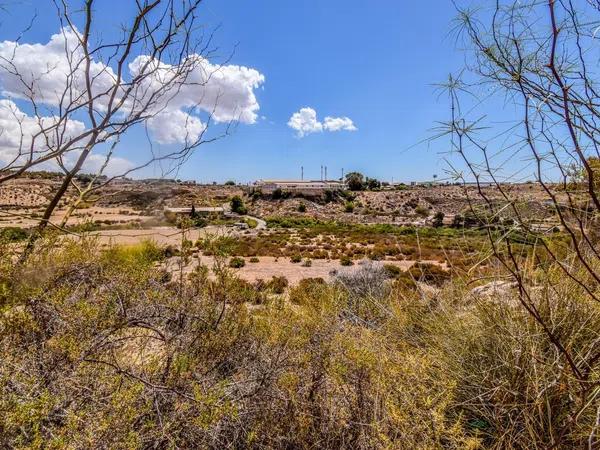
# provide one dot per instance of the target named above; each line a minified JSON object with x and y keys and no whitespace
{"x":374,"y":62}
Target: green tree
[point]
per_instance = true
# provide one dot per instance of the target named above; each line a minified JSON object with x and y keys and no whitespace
{"x":355,"y":181}
{"x":237,"y":205}
{"x":438,"y":219}
{"x":373,"y":184}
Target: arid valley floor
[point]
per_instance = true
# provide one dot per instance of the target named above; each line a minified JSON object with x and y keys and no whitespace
{"x":304,"y":237}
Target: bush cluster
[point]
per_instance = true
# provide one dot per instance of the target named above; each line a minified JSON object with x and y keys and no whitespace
{"x":236,"y":262}
{"x":100,"y":349}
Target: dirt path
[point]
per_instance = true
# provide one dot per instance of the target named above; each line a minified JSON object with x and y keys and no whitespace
{"x":260,"y":224}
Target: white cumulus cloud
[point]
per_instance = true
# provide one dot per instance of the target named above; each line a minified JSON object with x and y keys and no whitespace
{"x":42,"y":71}
{"x":305,"y":122}
{"x":173,"y":126}
{"x":21,"y":135}
{"x":53,"y":74}
{"x":21,"y":138}
{"x":226,"y":92}
{"x":339,"y":123}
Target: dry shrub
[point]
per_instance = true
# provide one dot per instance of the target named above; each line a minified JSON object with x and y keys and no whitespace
{"x":354,"y":387}
{"x":278,"y":284}
{"x":309,"y":291}
{"x":99,"y":352}
{"x":346,"y":261}
{"x":512,"y":386}
{"x":367,"y":290}
{"x":428,"y":273}
{"x":368,"y":280}
{"x":392,"y":270}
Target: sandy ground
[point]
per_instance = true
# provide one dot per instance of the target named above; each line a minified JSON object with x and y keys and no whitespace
{"x":266,"y":268}
{"x":269,"y":266}
{"x":22,"y":218}
{"x":160,"y":235}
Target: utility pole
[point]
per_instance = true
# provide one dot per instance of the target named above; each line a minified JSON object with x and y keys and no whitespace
{"x":302,"y":173}
{"x":321,"y":172}
{"x":342,"y":174}
{"x":325,"y":173}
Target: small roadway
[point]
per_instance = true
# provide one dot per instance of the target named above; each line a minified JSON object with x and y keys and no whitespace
{"x":260,"y":224}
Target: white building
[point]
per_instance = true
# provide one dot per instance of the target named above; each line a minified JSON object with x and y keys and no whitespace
{"x":269,"y":186}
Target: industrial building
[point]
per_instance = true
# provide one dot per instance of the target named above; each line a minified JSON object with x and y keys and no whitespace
{"x":268,"y":186}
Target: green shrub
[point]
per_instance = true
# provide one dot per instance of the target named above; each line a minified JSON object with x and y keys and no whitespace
{"x":84,"y":227}
{"x":236,"y":262}
{"x":256,"y":194}
{"x":13,"y":234}
{"x":279,"y":194}
{"x":346,"y":261}
{"x":348,"y":195}
{"x":377,"y":254}
{"x":254,"y":259}
{"x":237,"y":205}
{"x":310,"y":292}
{"x":238,"y":291}
{"x":278,"y":284}
{"x":144,"y":254}
{"x":219,"y":246}
{"x":392,"y":270}
{"x":199,"y":222}
{"x":296,"y":259}
{"x":252,"y":223}
{"x":302,"y":208}
{"x":307,"y":262}
{"x":429,"y":273}
{"x":186,"y":244}
{"x":349,"y":207}
{"x":373,"y":184}
{"x":422,"y":211}
{"x":458,"y":221}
